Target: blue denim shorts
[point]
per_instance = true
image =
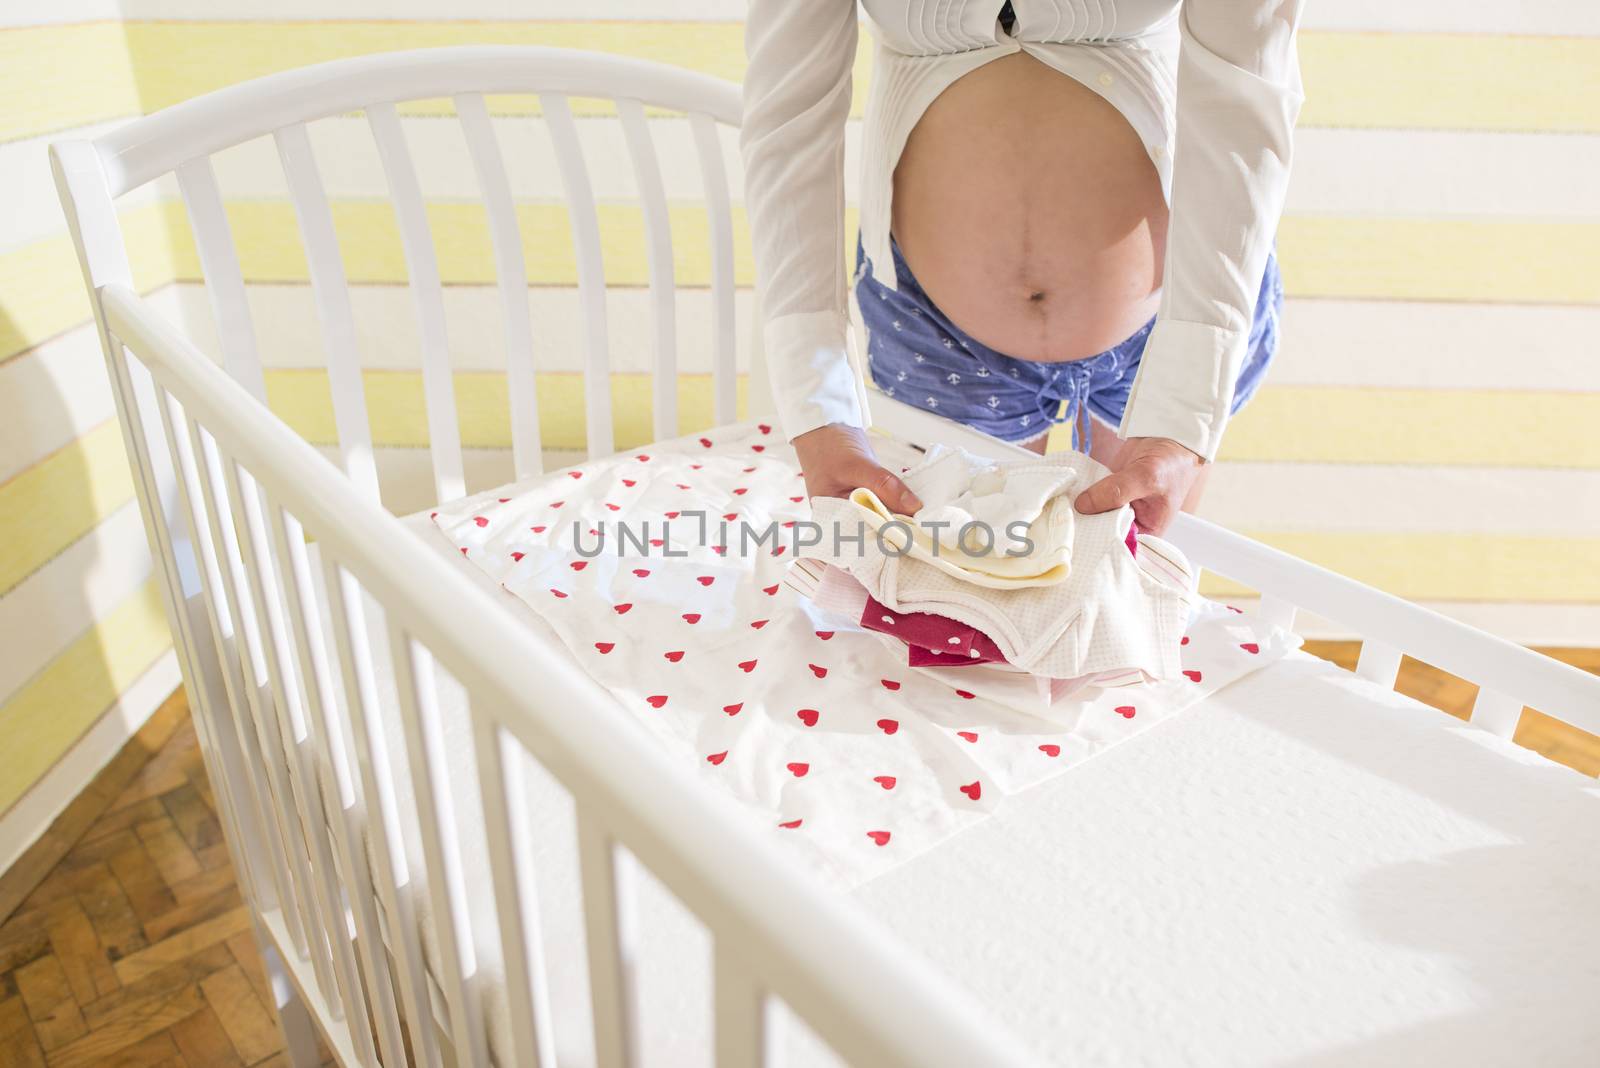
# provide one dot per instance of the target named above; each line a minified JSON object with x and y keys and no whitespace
{"x":917,"y":355}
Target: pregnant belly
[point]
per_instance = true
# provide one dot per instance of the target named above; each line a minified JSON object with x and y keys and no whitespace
{"x":1031,"y":214}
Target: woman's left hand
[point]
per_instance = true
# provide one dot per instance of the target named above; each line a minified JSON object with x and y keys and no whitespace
{"x":1152,"y":474}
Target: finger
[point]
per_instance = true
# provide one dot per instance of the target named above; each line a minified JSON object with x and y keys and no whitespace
{"x":830,"y":482}
{"x":891,"y":491}
{"x":1112,"y":492}
{"x":1153,"y":514}
{"x":827,"y":489}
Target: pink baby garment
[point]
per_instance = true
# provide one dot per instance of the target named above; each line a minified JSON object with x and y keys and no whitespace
{"x":931,"y":639}
{"x":836,"y":592}
{"x":934,"y":640}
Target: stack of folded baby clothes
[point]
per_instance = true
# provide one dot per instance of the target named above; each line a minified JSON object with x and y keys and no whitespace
{"x":998,"y":583}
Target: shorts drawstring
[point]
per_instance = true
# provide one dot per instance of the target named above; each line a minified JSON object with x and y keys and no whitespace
{"x":1079,"y":383}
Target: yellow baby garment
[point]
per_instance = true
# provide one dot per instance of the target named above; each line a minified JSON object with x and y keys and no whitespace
{"x":976,"y":514}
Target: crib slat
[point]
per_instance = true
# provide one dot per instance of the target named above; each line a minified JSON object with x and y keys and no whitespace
{"x":331,"y":289}
{"x":1277,"y":611}
{"x":1496,"y":713}
{"x":394,"y":889}
{"x":512,"y":275}
{"x":247,"y":673}
{"x":663,"y":285}
{"x":219,"y":261}
{"x":1379,"y":663}
{"x":739,"y":1010}
{"x":719,"y":212}
{"x":325,"y":923}
{"x":261,"y":879}
{"x":444,"y":436}
{"x":245,"y":833}
{"x":351,"y":824}
{"x":500,"y":780}
{"x":332,"y":791}
{"x":591,"y":272}
{"x":430,"y":779}
{"x":175,"y":561}
{"x":605,"y":904}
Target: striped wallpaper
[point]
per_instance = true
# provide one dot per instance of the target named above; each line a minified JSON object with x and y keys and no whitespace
{"x":1430,"y":425}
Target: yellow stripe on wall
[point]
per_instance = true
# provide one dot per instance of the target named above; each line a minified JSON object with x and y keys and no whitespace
{"x":395,"y":403}
{"x":1481,"y":261}
{"x":1446,"y":567}
{"x":1396,"y":80}
{"x":41,"y":287}
{"x":55,"y":502}
{"x":42,"y":293}
{"x":1451,"y":81}
{"x":178,"y":60}
{"x":1330,"y":424}
{"x":270,"y":247}
{"x":1343,"y":258}
{"x":53,"y":709}
{"x":1390,"y":259}
{"x":163,"y":63}
{"x":1306,"y":424}
{"x":68,"y":75}
{"x":1420,"y":427}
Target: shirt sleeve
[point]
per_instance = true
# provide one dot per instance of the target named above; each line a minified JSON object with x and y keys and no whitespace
{"x":1239,"y":93}
{"x":796,"y":100}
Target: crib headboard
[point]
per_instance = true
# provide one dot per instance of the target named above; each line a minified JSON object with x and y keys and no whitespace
{"x":183,"y":140}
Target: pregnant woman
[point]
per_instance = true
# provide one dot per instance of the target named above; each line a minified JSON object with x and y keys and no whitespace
{"x":1067,"y":214}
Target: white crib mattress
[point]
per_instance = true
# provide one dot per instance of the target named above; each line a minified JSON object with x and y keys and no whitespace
{"x":1303,"y":869}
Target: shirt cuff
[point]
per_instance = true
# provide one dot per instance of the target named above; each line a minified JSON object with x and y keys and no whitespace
{"x":813,"y":383}
{"x":1184,"y":388}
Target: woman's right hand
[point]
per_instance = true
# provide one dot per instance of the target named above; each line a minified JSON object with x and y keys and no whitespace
{"x":837,"y":459}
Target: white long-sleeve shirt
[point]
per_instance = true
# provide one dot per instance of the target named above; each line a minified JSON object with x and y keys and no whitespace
{"x":1212,"y":87}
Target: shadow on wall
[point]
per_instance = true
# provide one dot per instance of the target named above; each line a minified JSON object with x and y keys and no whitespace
{"x":80,"y":614}
{"x":53,"y":665}
{"x":80,"y":611}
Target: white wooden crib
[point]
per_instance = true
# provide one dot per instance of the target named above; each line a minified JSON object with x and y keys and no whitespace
{"x":252,"y":529}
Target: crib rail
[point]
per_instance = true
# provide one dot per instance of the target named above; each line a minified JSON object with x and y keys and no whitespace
{"x":1508,"y":676}
{"x":773,"y":933}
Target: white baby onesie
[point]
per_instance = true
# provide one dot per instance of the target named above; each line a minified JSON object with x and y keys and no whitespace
{"x":1109,"y":613}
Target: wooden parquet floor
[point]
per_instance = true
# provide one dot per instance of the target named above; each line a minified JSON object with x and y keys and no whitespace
{"x":135,"y":948}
